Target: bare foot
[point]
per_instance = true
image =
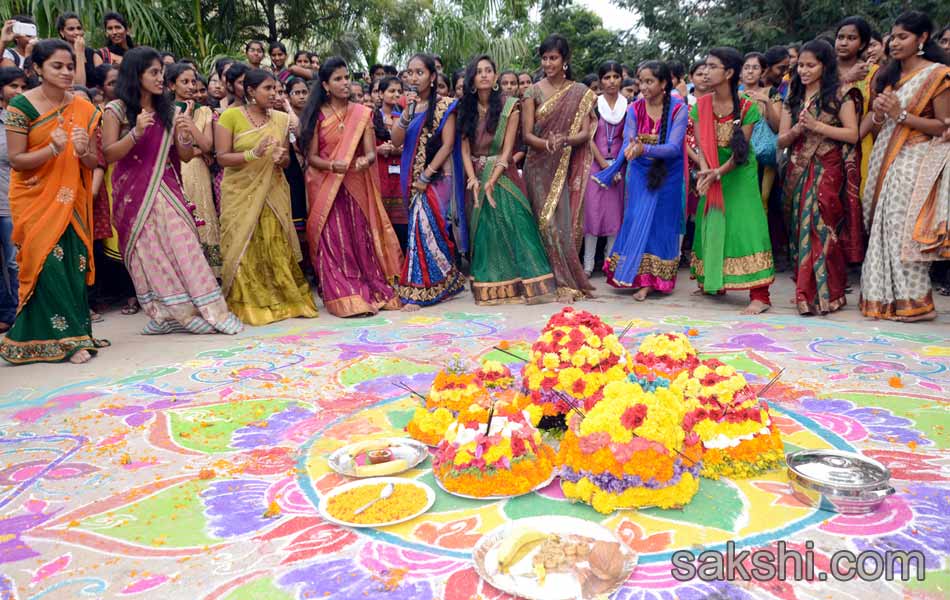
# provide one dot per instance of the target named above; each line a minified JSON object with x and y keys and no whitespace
{"x":924,"y":317}
{"x":80,"y":357}
{"x":410,"y":307}
{"x":756,"y":307}
{"x":642,"y":293}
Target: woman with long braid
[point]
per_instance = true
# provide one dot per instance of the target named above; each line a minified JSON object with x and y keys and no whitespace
{"x":731,"y":250}
{"x":646,"y":253}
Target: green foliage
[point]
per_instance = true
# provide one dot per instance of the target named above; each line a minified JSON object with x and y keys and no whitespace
{"x":591,"y":44}
{"x":683,"y":29}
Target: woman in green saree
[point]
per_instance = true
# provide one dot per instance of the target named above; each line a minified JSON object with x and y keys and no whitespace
{"x":509,"y":264}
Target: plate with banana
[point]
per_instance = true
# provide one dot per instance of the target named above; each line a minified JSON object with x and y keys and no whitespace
{"x":554,"y":558}
{"x":377,"y":458}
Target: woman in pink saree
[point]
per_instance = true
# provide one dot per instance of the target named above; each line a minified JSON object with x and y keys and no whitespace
{"x":556,"y":126}
{"x":353,"y":247}
{"x":146,"y":139}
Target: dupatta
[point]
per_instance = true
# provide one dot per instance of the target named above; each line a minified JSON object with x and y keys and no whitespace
{"x":323,"y":187}
{"x":249,"y":189}
{"x":46,"y":200}
{"x":140,"y":178}
{"x":413,"y":154}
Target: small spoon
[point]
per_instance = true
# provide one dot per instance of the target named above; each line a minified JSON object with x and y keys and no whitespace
{"x":386,"y":493}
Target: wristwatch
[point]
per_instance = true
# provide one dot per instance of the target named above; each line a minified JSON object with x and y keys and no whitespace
{"x":902,"y":117}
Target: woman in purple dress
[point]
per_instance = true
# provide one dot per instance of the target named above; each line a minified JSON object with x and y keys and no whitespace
{"x":603,"y":206}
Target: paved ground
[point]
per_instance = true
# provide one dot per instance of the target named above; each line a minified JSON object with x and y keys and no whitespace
{"x":131,"y":350}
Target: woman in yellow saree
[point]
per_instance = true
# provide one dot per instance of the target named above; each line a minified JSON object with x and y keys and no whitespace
{"x":353,"y":247}
{"x":49,"y":132}
{"x":260,"y":274}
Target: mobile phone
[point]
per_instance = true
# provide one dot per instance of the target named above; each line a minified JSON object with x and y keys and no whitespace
{"x":28,"y":29}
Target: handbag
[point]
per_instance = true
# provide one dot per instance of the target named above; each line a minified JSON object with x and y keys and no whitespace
{"x":764,"y":143}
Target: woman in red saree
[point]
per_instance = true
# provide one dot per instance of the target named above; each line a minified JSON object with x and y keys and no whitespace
{"x":817,"y":124}
{"x":49,"y":133}
{"x":556,"y":125}
{"x":353,"y":246}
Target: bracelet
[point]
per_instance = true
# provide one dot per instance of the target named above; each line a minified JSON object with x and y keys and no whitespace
{"x":187,"y":142}
{"x":249,"y":156}
{"x":424,"y":178}
{"x":902,"y":117}
{"x":875,"y":121}
{"x":134,"y":136}
{"x":501,"y":163}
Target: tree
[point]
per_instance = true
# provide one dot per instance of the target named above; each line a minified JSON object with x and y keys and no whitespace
{"x":591,"y":44}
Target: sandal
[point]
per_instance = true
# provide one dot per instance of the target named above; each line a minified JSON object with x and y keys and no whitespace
{"x":95,"y":317}
{"x":943,"y":289}
{"x":131,"y":308}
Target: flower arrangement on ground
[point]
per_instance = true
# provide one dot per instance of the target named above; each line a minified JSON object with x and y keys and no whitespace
{"x":665,"y":355}
{"x":630,"y":451}
{"x":576,"y":355}
{"x":505,"y":458}
{"x":740,"y":439}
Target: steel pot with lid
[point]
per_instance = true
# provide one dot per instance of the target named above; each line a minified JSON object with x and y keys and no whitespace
{"x":836,"y":481}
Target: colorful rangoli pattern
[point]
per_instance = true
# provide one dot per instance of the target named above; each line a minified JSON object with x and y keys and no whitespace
{"x":200,"y":480}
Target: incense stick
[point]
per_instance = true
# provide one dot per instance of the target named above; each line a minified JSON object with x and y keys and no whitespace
{"x":404,"y":386}
{"x":625,"y":330}
{"x":511,"y":354}
{"x":766,"y":387}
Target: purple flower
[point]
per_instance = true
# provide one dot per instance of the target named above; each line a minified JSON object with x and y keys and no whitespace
{"x":609,"y":482}
{"x":881,"y":424}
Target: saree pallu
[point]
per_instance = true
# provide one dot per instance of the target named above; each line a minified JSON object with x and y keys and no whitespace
{"x":647,"y":250}
{"x":429,"y":274}
{"x":173,"y":282}
{"x":51,"y":208}
{"x":509,"y":265}
{"x":817,"y":186}
{"x":731,"y":248}
{"x":261,"y":277}
{"x":353,"y":247}
{"x":556,"y":183}
{"x":891,"y":286}
{"x":196,"y":182}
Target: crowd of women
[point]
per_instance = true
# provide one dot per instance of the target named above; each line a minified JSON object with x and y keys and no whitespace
{"x":214,"y":203}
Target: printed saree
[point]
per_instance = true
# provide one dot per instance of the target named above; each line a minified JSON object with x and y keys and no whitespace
{"x":52,"y":219}
{"x":159,"y":241}
{"x":353,"y":247}
{"x":509,"y":264}
{"x":260,"y":251}
{"x":429,"y":274}
{"x":647,"y":249}
{"x":817,"y":187}
{"x":556,"y":183}
{"x":893,"y":287}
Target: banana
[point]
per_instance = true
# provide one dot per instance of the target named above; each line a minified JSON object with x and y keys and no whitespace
{"x":540,"y":572}
{"x":386,"y":468}
{"x":518,"y":544}
{"x":367,"y":445}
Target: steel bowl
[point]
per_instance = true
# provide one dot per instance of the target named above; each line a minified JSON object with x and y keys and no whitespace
{"x":836,"y":481}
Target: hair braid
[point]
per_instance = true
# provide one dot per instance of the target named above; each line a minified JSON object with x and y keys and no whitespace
{"x":657,"y":172}
{"x":738,"y":143}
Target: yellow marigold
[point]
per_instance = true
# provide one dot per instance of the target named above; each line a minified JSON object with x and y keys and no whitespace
{"x":550,"y":361}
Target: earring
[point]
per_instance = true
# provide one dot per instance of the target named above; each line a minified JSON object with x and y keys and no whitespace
{"x":495,"y":87}
{"x":253,"y":100}
{"x":565,"y":66}
{"x":920,"y":50}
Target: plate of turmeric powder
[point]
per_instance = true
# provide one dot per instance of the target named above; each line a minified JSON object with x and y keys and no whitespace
{"x":408,"y":500}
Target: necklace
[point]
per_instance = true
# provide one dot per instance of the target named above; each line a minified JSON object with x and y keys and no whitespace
{"x":59,"y":109}
{"x":336,"y":114}
{"x":251,"y":119}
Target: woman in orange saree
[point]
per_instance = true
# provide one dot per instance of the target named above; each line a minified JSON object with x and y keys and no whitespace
{"x":49,"y":131}
{"x":556,"y":126}
{"x":353,"y":247}
{"x":912,"y":100}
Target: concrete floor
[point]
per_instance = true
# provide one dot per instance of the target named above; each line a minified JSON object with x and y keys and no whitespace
{"x":130,"y":350}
